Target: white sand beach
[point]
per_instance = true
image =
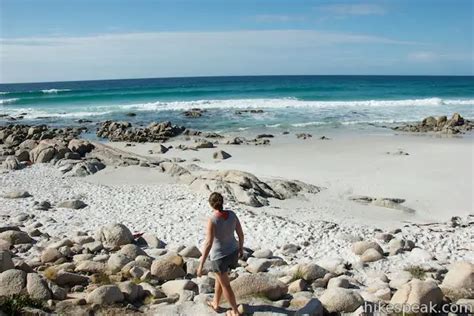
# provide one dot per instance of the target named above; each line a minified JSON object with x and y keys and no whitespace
{"x":432,"y":174}
{"x":435,"y":179}
{"x":374,"y":165}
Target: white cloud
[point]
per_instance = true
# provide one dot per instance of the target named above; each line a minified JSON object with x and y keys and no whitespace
{"x":163,"y":54}
{"x":354,"y":9}
{"x":430,"y":56}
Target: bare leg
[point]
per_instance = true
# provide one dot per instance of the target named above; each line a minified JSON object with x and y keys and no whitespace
{"x":217,"y":294}
{"x":223,"y":279}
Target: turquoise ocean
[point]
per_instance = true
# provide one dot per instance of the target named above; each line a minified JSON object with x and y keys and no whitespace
{"x":288,"y":102}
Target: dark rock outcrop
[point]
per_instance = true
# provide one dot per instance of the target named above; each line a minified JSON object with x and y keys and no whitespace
{"x":455,"y":125}
{"x":123,"y":131}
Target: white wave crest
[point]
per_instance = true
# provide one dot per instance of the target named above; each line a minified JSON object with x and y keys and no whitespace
{"x":289,"y":103}
{"x":8,"y":101}
{"x":35,"y":114}
{"x":307,"y":124}
{"x":4,"y":92}
{"x":49,"y":91}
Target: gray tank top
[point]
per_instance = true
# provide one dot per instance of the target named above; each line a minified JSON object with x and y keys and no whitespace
{"x":224,"y":236}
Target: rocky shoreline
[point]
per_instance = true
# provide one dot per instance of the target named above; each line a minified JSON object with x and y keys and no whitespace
{"x":77,"y":157}
{"x":114,"y":270}
{"x":441,"y":125}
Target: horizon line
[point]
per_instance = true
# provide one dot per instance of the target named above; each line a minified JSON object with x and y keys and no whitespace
{"x":233,"y":76}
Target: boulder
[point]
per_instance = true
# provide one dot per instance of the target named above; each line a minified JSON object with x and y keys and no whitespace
{"x":138,"y":272}
{"x":340,"y":300}
{"x":385,"y":237}
{"x":190,"y":252}
{"x":429,"y":121}
{"x":178,"y":286}
{"x":132,"y":251}
{"x":37,"y":288}
{"x":15,"y":237}
{"x":193,"y":264}
{"x":123,"y":131}
{"x":61,"y":243}
{"x":89,"y":266}
{"x":193,"y":113}
{"x":93,"y":246}
{"x":263,"y":253}
{"x":81,"y":168}
{"x":72,"y":156}
{"x":11,"y":163}
{"x":371,"y":255}
{"x":16,"y":195}
{"x":311,"y":271}
{"x":221,"y":155}
{"x":396,"y":246}
{"x":28,"y":144}
{"x":114,"y":235}
{"x":12,"y":282}
{"x":340,"y":282}
{"x":168,"y":268}
{"x":161,"y":149}
{"x":43,"y":206}
{"x":42,"y":153}
{"x":80,"y":146}
{"x":256,"y":265}
{"x":297,"y":286}
{"x":105,"y":295}
{"x":130,"y":290}
{"x":260,"y":284}
{"x":149,"y":289}
{"x":460,"y":276}
{"x":57,"y":292}
{"x":64,"y":278}
{"x":456,"y":120}
{"x":72,"y":204}
{"x":117,"y":261}
{"x":417,"y":292}
{"x":144,"y":261}
{"x":455,"y":125}
{"x":4,"y":245}
{"x":22,"y":155}
{"x":204,"y":144}
{"x":6,"y":262}
{"x":50,"y":255}
{"x":360,"y":247}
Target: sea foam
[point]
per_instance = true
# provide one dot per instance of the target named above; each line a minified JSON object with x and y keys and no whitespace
{"x":288,"y":103}
{"x":8,"y":101}
{"x":49,"y":91}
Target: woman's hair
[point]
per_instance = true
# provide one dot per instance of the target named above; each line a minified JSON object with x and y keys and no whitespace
{"x":216,"y":200}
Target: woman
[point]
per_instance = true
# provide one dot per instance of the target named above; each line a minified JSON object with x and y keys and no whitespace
{"x":224,"y":249}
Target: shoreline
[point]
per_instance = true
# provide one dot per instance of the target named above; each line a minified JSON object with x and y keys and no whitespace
{"x":408,"y":199}
{"x":354,"y":165}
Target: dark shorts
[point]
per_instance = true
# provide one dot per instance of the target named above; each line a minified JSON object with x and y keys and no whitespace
{"x":226,"y":263}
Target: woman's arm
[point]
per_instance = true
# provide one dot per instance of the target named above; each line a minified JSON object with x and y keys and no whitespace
{"x":240,"y":234}
{"x":207,"y":246}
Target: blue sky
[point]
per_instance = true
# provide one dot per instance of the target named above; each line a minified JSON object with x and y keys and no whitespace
{"x":46,"y":40}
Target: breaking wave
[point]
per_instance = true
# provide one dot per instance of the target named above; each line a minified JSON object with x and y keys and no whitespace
{"x":288,"y":103}
{"x":8,"y":101}
{"x":49,"y":91}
